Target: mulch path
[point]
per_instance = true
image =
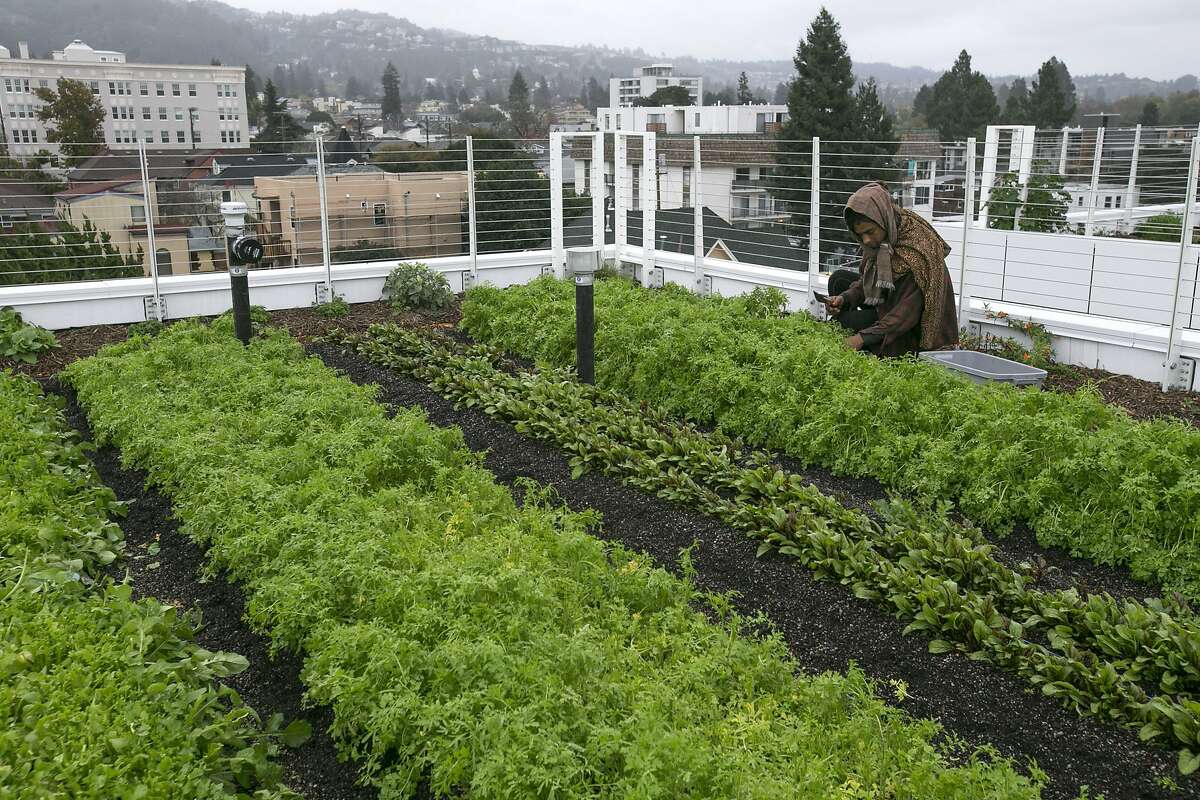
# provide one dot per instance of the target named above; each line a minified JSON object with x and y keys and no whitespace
{"x":271,"y":684}
{"x":824,"y":625}
{"x":1142,"y":399}
{"x":74,"y":344}
{"x":306,"y":324}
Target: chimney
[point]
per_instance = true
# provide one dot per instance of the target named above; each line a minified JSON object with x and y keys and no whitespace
{"x":23,"y":48}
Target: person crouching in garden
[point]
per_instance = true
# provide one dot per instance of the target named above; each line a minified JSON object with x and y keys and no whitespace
{"x":901,"y":299}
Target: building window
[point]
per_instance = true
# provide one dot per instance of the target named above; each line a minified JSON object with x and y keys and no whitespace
{"x":115,"y":111}
{"x":1108,"y":201}
{"x":179,"y":115}
{"x":145,"y":112}
{"x":637,"y":188}
{"x":380,"y":215}
{"x":148,"y":136}
{"x":175,"y":90}
{"x":162,"y":259}
{"x":164,"y":137}
{"x":162,"y":112}
{"x":158,"y":90}
{"x":138,"y":214}
{"x":921,"y":196}
{"x":191,"y":90}
{"x":697,"y":119}
{"x":8,"y":85}
{"x":181,"y":137}
{"x":1081,"y":201}
{"x":196,"y":136}
{"x":223,"y":139}
{"x":239,"y":135}
{"x":1118,"y":201}
{"x":687,"y":187}
{"x":194,"y":261}
{"x":741,"y":174}
{"x":95,"y":87}
{"x":112,"y":87}
{"x":144,"y":89}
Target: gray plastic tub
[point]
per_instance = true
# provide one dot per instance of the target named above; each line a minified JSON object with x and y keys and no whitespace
{"x":985,"y":368}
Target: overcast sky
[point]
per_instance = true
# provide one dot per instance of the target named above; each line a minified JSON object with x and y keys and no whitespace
{"x":1150,"y":38}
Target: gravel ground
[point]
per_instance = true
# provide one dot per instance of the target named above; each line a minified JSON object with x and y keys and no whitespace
{"x":825,"y":627}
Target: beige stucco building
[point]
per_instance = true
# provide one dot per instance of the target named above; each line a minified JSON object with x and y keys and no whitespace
{"x":417,"y":215}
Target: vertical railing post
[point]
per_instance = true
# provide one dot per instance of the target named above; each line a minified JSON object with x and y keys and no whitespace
{"x":1131,"y":186}
{"x":1173,"y":371}
{"x":558,"y":258}
{"x":964,"y":298}
{"x":597,"y":190}
{"x":325,"y":293}
{"x":991,"y":152}
{"x":697,"y":219}
{"x":1062,"y":156}
{"x":649,"y":198}
{"x":159,"y":313}
{"x":620,"y":185}
{"x":472,"y":230}
{"x":814,"y":224}
{"x":1095,"y":188}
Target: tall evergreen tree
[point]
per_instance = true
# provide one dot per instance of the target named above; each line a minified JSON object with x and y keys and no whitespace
{"x":1016,"y":107}
{"x":597,"y":97}
{"x":922,"y":100}
{"x":820,"y":103}
{"x":250,"y":92}
{"x":744,"y":94}
{"x":354,"y":89}
{"x":520,"y":115}
{"x":393,"y":109}
{"x":279,"y":133}
{"x":1149,"y":114}
{"x":1052,"y":101}
{"x":541,"y":95}
{"x":962,"y":102}
{"x":878,"y":143}
{"x":280,"y":79}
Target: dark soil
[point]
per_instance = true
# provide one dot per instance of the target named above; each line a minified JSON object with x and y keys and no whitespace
{"x":825,"y":627}
{"x":1142,"y":399}
{"x":306,"y":324}
{"x":270,"y":685}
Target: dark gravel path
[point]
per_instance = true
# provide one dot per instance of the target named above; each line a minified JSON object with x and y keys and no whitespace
{"x":825,"y":627}
{"x":173,"y":575}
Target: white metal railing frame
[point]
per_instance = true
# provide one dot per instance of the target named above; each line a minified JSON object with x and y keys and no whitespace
{"x":652,"y":265}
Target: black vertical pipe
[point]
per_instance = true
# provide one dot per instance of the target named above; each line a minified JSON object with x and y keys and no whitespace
{"x":585,"y":315}
{"x":240,"y":287}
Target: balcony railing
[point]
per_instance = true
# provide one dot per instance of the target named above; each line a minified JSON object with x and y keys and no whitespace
{"x":1123,"y":280}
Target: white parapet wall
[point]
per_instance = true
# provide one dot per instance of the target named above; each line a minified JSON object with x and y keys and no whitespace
{"x":1126,"y":331}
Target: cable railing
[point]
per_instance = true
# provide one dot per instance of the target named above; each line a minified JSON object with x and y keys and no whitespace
{"x":1089,"y":221}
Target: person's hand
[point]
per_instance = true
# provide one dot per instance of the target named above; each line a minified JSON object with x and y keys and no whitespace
{"x":854,"y":342}
{"x":833,"y":304}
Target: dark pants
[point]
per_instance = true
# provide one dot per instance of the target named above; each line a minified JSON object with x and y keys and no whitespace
{"x":854,"y":318}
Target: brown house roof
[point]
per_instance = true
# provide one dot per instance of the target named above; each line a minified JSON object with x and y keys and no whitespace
{"x":922,"y":144}
{"x":98,"y":187}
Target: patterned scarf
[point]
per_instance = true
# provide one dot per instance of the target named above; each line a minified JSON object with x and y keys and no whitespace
{"x":874,"y":202}
{"x":910,"y":245}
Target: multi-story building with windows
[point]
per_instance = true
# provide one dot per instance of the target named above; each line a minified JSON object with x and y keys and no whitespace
{"x":648,"y":80}
{"x":166,"y":106}
{"x":737,"y":150}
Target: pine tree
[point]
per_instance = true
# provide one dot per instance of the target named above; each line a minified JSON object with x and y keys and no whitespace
{"x":744,"y":95}
{"x":1149,"y":114}
{"x":279,"y":132}
{"x":541,"y":95}
{"x":820,"y":103}
{"x":280,"y":79}
{"x":962,"y":102}
{"x":1016,"y":107}
{"x":878,"y":143}
{"x":520,"y":115}
{"x":1052,"y":101}
{"x":393,"y":109}
{"x":781,"y":94}
{"x":596,"y":96}
{"x":354,"y":89}
{"x":250,"y":92}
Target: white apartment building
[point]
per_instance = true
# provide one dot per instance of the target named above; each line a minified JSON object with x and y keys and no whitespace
{"x":167,"y":106}
{"x":737,"y":153}
{"x":749,"y":119}
{"x":649,"y":79}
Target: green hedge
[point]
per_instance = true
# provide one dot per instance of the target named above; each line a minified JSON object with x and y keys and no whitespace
{"x":491,"y":648}
{"x":100,"y":696}
{"x":1085,"y":475}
